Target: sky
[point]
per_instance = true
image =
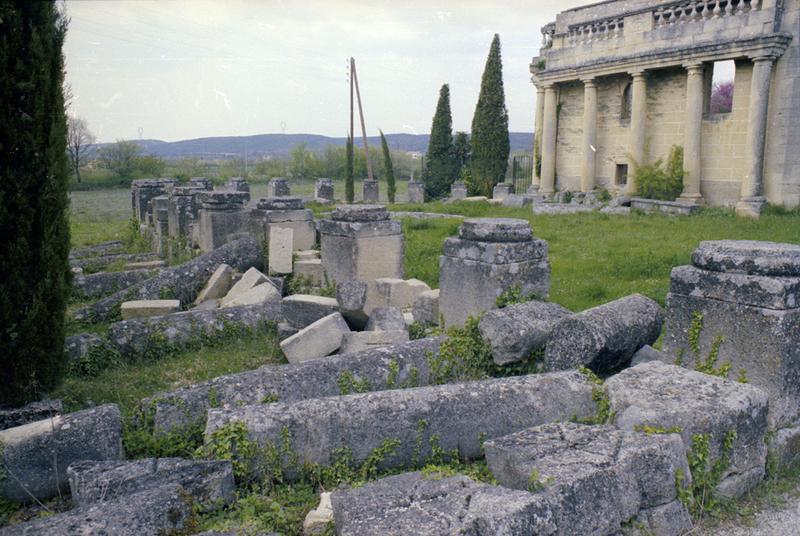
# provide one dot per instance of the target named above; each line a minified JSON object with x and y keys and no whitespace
{"x":181,"y":69}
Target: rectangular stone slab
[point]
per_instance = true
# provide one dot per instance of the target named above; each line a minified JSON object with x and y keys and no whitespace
{"x":461,"y":415}
{"x":292,"y":383}
{"x":280,"y":250}
{"x":148,"y":308}
{"x":302,"y":310}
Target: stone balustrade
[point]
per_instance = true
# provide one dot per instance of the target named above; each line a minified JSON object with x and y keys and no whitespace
{"x":611,"y":28}
{"x":684,"y":12}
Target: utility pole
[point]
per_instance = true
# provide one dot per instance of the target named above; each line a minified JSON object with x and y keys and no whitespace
{"x":352,"y":67}
{"x":354,"y":78}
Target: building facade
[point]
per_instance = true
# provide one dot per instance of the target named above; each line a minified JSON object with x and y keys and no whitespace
{"x":622,"y":81}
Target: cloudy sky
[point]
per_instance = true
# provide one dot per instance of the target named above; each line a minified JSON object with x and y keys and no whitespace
{"x":181,"y":69}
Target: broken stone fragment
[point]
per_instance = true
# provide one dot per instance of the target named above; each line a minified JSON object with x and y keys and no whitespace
{"x":317,"y":340}
{"x":251,"y":278}
{"x":386,"y":319}
{"x":35,"y":411}
{"x":219,"y":284}
{"x":426,"y":307}
{"x":302,"y":310}
{"x":400,"y":293}
{"x":748,"y":257}
{"x":280,"y":249}
{"x":317,"y":520}
{"x":359,"y":341}
{"x":146,"y":308}
{"x":257,"y":295}
{"x":352,"y":298}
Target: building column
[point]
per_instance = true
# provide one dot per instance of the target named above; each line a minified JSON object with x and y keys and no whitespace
{"x":692,"y":141}
{"x":548,"y":145}
{"x":638,"y":122}
{"x":589,"y":135}
{"x":752,"y":195}
{"x":537,"y":137}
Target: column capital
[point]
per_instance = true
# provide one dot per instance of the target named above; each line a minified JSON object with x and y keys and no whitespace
{"x":589,"y":81}
{"x":694,"y":68}
{"x":762,"y":58}
{"x":638,"y":73}
{"x":551,"y":86}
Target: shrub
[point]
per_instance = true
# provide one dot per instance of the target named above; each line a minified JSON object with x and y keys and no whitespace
{"x":659,"y":180}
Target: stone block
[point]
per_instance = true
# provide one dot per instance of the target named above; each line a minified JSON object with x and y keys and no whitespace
{"x":359,"y":341}
{"x":401,"y":365}
{"x":596,"y":478}
{"x":35,"y":411}
{"x":146,"y":308}
{"x":517,"y":331}
{"x":458,"y":191}
{"x":317,"y":340}
{"x":250,"y":279}
{"x":105,"y":283}
{"x":495,"y":230}
{"x":81,"y":345}
{"x":665,"y":207}
{"x":219,"y":284}
{"x":312,"y":271}
{"x":748,"y":257}
{"x":258,"y":295}
{"x":360,"y":213}
{"x":422,"y":505}
{"x":36,"y":455}
{"x":208,"y":305}
{"x":323,"y":189}
{"x":307,"y":255}
{"x":605,"y":337}
{"x":280,"y":250}
{"x":105,"y":248}
{"x":302,"y":310}
{"x":461,"y":415}
{"x":352,"y":298}
{"x":317,"y":520}
{"x":209,"y":483}
{"x":400,"y":293}
{"x":280,"y":204}
{"x":278,"y":187}
{"x":670,"y":397}
{"x":164,"y":510}
{"x":647,"y":353}
{"x":426,"y":307}
{"x":386,"y":319}
{"x":222,"y":217}
{"x":416,"y":192}
{"x":370,"y":191}
{"x":771,"y":292}
{"x":502,"y":190}
{"x":146,"y":265}
{"x":96,"y":264}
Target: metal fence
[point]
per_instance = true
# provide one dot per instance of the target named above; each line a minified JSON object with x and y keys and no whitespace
{"x":519,"y":172}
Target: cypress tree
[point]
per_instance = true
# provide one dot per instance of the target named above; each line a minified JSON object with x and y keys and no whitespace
{"x":461,"y":149}
{"x":349,"y":187}
{"x":490,"y":145}
{"x":441,"y":167}
{"x":388,"y":169}
{"x":34,"y":229}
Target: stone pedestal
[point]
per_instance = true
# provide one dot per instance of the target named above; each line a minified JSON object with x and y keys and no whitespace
{"x":416,"y":192}
{"x":286,"y":213}
{"x":502,"y":190}
{"x":458,"y":190}
{"x":361,"y":242}
{"x":370,"y":191}
{"x":748,"y":293}
{"x":323,"y":190}
{"x":183,"y":210}
{"x":238,"y":184}
{"x":222,"y":215}
{"x":202,"y":183}
{"x":489,"y":257}
{"x":161,"y":225}
{"x":278,"y":187}
{"x":143,"y":190}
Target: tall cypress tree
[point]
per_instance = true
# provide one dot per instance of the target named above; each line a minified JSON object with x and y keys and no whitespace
{"x":388,"y":169}
{"x":441,"y":166}
{"x":349,"y":187}
{"x":490,"y":145}
{"x":34,"y":229}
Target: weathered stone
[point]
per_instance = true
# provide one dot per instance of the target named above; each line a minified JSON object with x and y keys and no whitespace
{"x":250,"y":279}
{"x":360,"y":213}
{"x":208,"y":305}
{"x":370,"y":191}
{"x":359,"y":341}
{"x":291,"y":383}
{"x":307,"y":255}
{"x":647,"y":353}
{"x":458,"y":191}
{"x":319,"y":339}
{"x":518,"y":200}
{"x":280,"y":250}
{"x":605,"y":337}
{"x":146,"y":308}
{"x":420,"y":505}
{"x":105,"y":283}
{"x":95,"y":264}
{"x":323,"y":190}
{"x":204,"y":183}
{"x":285,"y":213}
{"x":317,"y":520}
{"x":400,"y":293}
{"x":666,"y":520}
{"x":286,"y":330}
{"x":35,"y":411}
{"x":143,"y":191}
{"x":135,"y":339}
{"x":416,"y":192}
{"x":748,"y":257}
{"x":460,"y":415}
{"x":426,"y":307}
{"x":502,"y":190}
{"x":36,"y":455}
{"x":263,"y":293}
{"x":183,"y":282}
{"x":209,"y":483}
{"x":105,"y":248}
{"x":670,"y":397}
{"x":183,"y":210}
{"x":219,"y":284}
{"x":238,"y":184}
{"x":146,"y":265}
{"x":408,"y":316}
{"x":302,"y":310}
{"x":596,"y":477}
{"x":495,"y":230}
{"x":158,"y":511}
{"x":665,"y":207}
{"x":278,"y":187}
{"x":281,"y":203}
{"x":311,"y":271}
{"x":352,"y":298}
{"x":222,"y":217}
{"x":386,"y":319}
{"x":516,"y":331}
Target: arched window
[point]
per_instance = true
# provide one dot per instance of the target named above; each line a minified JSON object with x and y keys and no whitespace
{"x":625,"y":108}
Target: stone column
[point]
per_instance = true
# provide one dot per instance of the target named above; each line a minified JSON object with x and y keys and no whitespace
{"x":589,"y":134}
{"x":548,"y":145}
{"x":537,"y":135}
{"x":692,"y":141}
{"x":752,"y":196}
{"x":638,"y":122}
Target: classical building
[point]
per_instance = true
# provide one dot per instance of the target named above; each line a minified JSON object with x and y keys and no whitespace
{"x":620,"y":82}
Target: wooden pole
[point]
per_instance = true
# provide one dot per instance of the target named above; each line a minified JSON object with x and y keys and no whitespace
{"x":352,"y":68}
{"x":361,"y":115}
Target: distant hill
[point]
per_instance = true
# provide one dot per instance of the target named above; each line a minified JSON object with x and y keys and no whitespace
{"x":277,"y":145}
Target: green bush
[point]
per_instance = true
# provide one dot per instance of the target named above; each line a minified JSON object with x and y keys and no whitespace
{"x":661,"y":180}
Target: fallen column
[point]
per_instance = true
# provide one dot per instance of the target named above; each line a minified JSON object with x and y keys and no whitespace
{"x":182,"y":282}
{"x":460,"y":416}
{"x":403,"y":365}
{"x":104,"y":248}
{"x":94,"y":264}
{"x":105,"y":283}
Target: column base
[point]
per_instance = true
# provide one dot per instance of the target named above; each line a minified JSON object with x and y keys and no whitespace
{"x":533,"y":189}
{"x":750,"y":206}
{"x":691,"y":199}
